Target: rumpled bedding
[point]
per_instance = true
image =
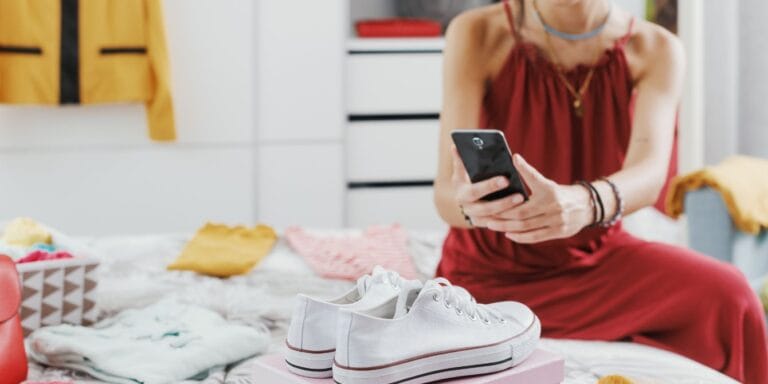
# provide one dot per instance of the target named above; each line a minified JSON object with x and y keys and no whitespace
{"x":133,"y":275}
{"x":168,"y":340}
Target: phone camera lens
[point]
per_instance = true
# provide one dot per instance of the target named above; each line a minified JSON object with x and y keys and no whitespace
{"x":478,"y":142}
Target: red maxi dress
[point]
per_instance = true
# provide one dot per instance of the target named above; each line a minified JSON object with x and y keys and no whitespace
{"x":601,"y":284}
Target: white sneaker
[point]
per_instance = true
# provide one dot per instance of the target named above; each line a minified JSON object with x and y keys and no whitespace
{"x":434,"y":333}
{"x":311,"y":340}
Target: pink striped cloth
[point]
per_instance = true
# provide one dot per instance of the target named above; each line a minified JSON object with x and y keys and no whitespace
{"x":351,"y":256}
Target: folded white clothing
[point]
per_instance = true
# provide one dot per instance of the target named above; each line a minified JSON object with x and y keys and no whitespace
{"x":163,"y":343}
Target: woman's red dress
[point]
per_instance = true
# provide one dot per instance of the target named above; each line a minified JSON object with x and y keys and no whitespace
{"x":601,"y":284}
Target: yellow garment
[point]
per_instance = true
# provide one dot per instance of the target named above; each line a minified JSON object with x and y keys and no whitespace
{"x":25,"y":232}
{"x":741,"y":181}
{"x":222,"y":251}
{"x":87,"y":52}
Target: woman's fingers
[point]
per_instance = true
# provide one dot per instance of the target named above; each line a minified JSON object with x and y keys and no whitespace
{"x":535,"y":236}
{"x":491,"y":208}
{"x":521,"y":226}
{"x":529,"y":210}
{"x":530,"y":175}
{"x":471,"y":193}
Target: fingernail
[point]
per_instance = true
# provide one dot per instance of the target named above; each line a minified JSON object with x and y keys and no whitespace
{"x":517,"y":199}
{"x":502,"y":182}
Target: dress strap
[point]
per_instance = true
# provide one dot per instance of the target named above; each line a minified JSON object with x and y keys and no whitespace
{"x":511,"y":19}
{"x":622,"y":41}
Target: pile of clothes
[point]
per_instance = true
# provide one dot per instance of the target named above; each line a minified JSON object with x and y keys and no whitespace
{"x":27,"y":241}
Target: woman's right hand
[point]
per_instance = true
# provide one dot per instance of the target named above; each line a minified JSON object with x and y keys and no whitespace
{"x":469,"y":195}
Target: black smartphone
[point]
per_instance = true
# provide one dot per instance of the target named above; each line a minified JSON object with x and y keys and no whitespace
{"x":485,"y":155}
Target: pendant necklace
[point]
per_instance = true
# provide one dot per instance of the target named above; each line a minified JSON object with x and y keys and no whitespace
{"x":576,"y":94}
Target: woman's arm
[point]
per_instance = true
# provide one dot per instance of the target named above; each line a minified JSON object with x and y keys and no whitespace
{"x":559,"y":210}
{"x":464,"y":78}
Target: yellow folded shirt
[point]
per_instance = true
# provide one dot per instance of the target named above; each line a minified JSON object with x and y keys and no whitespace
{"x":223,"y":251}
{"x":741,"y":181}
{"x":25,"y":232}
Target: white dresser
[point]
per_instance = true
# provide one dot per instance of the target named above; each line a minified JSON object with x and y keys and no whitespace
{"x":393,"y":100}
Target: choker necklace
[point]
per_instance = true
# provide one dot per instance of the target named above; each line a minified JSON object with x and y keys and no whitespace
{"x":572,"y":36}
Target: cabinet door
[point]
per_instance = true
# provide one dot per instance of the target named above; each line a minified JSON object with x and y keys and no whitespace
{"x":394,"y":83}
{"x":413,"y":207}
{"x":301,"y":184}
{"x":404,"y":150}
{"x":128,"y":191}
{"x":300,"y":69}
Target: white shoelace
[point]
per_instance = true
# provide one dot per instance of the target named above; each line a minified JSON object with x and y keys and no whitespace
{"x":379,"y":275}
{"x":464,"y":303}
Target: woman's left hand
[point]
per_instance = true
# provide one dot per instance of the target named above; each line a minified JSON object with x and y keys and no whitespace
{"x":553,"y":211}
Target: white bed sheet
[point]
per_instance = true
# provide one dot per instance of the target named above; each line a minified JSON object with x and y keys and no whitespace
{"x":132,"y":274}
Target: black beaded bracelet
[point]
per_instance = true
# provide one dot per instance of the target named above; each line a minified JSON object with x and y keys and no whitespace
{"x":599,"y":200}
{"x":620,"y":204}
{"x":592,"y":200}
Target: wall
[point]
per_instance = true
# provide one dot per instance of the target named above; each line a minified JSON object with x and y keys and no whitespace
{"x":753,"y":78}
{"x":92,"y":170}
{"x":721,"y":74}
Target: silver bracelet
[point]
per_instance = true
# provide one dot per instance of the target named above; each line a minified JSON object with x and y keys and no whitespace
{"x":620,"y":205}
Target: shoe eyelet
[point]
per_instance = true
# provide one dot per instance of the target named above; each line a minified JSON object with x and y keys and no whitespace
{"x":473,"y":317}
{"x":435,"y":297}
{"x":487,"y":321}
{"x":503,"y":320}
{"x":447,"y":305}
{"x":459,"y":311}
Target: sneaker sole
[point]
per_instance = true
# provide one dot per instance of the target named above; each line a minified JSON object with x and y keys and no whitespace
{"x":471,"y":362}
{"x":317,"y":365}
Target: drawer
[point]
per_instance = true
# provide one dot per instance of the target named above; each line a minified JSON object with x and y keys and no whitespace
{"x":397,"y":83}
{"x":412,"y":207}
{"x":392,"y":150}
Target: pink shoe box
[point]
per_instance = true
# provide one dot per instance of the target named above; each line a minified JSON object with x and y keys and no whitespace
{"x":541,"y":368}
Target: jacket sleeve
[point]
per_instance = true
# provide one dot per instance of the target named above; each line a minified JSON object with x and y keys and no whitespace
{"x":160,"y":106}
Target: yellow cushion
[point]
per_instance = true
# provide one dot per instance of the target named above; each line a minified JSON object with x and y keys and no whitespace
{"x":25,"y":232}
{"x":223,"y":251}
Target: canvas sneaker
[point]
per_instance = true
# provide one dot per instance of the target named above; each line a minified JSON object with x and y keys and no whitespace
{"x":311,"y":339}
{"x":432,"y":333}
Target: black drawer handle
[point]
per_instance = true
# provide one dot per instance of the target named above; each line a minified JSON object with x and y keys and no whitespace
{"x":123,"y":50}
{"x":23,"y":50}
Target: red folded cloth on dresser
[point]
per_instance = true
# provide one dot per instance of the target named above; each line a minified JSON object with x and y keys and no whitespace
{"x":398,"y":28}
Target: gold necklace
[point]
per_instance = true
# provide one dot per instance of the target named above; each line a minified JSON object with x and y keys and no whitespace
{"x":578,"y":95}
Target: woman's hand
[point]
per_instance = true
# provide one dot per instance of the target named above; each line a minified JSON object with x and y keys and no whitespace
{"x":553,"y":211}
{"x":468,"y":195}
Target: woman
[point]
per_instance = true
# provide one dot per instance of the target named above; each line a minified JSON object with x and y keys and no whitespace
{"x":583,"y":92}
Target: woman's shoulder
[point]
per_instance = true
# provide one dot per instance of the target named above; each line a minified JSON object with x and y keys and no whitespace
{"x":652,"y":45}
{"x":479,"y":30}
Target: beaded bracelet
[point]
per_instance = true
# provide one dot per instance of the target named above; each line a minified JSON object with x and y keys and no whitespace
{"x":591,"y":200}
{"x":600,"y":204}
{"x":620,"y":204}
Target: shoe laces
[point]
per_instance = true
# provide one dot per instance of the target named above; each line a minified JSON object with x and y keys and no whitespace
{"x":463,"y":302}
{"x":378,"y":276}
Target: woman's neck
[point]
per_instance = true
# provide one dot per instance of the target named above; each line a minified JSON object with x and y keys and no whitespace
{"x":573,"y":16}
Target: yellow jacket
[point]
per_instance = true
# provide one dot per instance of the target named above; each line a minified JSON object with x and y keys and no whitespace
{"x":87,"y":52}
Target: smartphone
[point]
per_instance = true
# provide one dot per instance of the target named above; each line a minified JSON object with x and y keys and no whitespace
{"x":485,"y":155}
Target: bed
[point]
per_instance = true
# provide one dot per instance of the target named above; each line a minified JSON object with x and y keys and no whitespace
{"x":132,"y":274}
